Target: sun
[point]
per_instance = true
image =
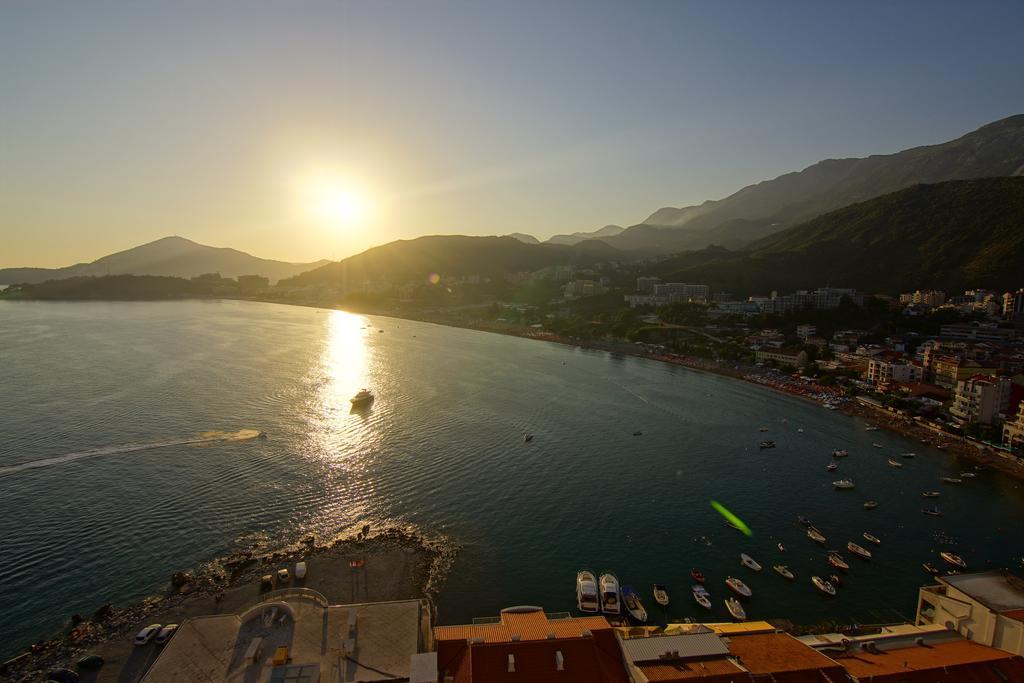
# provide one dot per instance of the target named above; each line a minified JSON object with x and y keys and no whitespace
{"x":337,"y":203}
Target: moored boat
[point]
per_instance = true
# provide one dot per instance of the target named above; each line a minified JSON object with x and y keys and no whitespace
{"x":738,"y":587}
{"x":631,"y":601}
{"x":815,"y":535}
{"x":908,"y":455}
{"x":858,"y":550}
{"x":767,"y":444}
{"x":586,"y":591}
{"x":832,"y":466}
{"x":894,"y":463}
{"x":749,"y":562}
{"x":783,"y":571}
{"x":932,"y":511}
{"x":953,"y":559}
{"x":609,"y":587}
{"x":930,"y":494}
{"x":840,"y":453}
{"x":782,"y":548}
{"x":837,"y":561}
{"x":878,"y":445}
{"x":735,"y":609}
{"x":660,"y":594}
{"x":870,"y":504}
{"x":701,"y":595}
{"x":843,"y":484}
{"x":871,"y":428}
{"x":952,"y":480}
{"x":871,"y":538}
{"x":823,"y":585}
{"x":697,"y":575}
{"x":968,"y":475}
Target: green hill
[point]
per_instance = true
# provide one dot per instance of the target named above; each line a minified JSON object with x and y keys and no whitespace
{"x":406,"y":261}
{"x":951,"y":235}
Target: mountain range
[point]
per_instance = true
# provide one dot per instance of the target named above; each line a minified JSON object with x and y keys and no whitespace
{"x":951,"y":236}
{"x":170,"y":256}
{"x":994,"y":150}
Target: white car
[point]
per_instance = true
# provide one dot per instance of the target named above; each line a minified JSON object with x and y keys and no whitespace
{"x":282,"y":576}
{"x":300,"y":570}
{"x":165,"y":634}
{"x":147,"y":634}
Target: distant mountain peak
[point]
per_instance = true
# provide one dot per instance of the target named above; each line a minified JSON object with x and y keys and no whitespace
{"x":576,"y":237}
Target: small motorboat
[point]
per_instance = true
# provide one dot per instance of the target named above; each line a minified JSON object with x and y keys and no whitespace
{"x":609,"y":587}
{"x":783,"y":570}
{"x":735,"y":609}
{"x":837,"y":561}
{"x":638,"y":433}
{"x":930,"y":568}
{"x":738,"y":587}
{"x":364,"y":397}
{"x":832,"y":466}
{"x":782,"y":548}
{"x":952,"y":480}
{"x":870,"y":504}
{"x":804,"y":521}
{"x":894,"y":463}
{"x":660,"y":594}
{"x":840,"y":453}
{"x":954,"y":560}
{"x":815,"y":535}
{"x":858,"y":550}
{"x":878,"y":445}
{"x":697,"y":575}
{"x":872,"y":539}
{"x":528,"y":438}
{"x":968,"y":475}
{"x":633,"y":605}
{"x":835,"y":580}
{"x":767,"y":444}
{"x":843,"y":484}
{"x":941,"y":447}
{"x":930,"y":494}
{"x":800,"y":430}
{"x":823,"y":585}
{"x":908,"y":455}
{"x":701,"y":595}
{"x":586,"y":591}
{"x":762,"y":429}
{"x":932,"y":511}
{"x":749,"y":562}
{"x":871,"y":428}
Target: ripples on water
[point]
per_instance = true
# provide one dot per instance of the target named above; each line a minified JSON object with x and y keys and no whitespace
{"x":442,"y":449}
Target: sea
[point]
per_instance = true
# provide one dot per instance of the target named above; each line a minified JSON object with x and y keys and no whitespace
{"x":127,"y":453}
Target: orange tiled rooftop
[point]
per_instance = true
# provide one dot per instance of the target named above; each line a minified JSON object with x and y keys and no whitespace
{"x":954,"y":661}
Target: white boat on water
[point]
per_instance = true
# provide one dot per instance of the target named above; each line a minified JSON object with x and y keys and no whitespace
{"x":609,"y":587}
{"x":872,"y":539}
{"x":631,"y":601}
{"x":738,"y":587}
{"x":815,"y":535}
{"x":783,"y":571}
{"x":878,"y":445}
{"x":952,"y":480}
{"x":930,"y":494}
{"x":364,"y":397}
{"x":749,"y":562}
{"x":871,"y":428}
{"x":894,"y":463}
{"x":586,"y":592}
{"x":823,"y":585}
{"x":832,"y":466}
{"x":840,"y":453}
{"x":701,"y":595}
{"x":968,"y":475}
{"x":870,"y":504}
{"x":954,"y":560}
{"x":735,"y":609}
{"x":836,"y":560}
{"x":858,"y":550}
{"x":908,"y":455}
{"x":843,"y":484}
{"x":660,"y":594}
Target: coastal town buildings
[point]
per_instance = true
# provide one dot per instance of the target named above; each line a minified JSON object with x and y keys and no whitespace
{"x":931,"y":298}
{"x":782,"y":357}
{"x":985,"y":607}
{"x":981,"y":398}
{"x":645,"y":285}
{"x":891,"y":368}
{"x":1013,"y":304}
{"x":1013,"y":431}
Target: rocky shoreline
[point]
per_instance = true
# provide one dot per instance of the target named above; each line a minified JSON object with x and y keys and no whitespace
{"x":230,"y":580}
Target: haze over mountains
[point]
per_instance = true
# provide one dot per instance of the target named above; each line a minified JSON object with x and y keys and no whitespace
{"x":172,"y":256}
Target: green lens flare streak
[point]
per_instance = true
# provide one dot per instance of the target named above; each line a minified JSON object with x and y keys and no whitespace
{"x":731,"y":518}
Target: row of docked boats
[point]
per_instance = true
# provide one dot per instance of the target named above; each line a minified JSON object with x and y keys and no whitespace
{"x":607,"y":596}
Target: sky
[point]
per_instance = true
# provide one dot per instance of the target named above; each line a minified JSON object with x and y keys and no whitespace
{"x":308,"y":130}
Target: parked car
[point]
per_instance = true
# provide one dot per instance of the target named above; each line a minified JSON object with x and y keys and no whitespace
{"x":165,"y":634}
{"x":300,"y":570}
{"x":147,"y":634}
{"x":282,"y":576}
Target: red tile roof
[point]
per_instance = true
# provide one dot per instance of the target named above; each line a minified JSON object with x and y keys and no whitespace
{"x":719,"y":670}
{"x":528,"y":626}
{"x":956,"y":661}
{"x":783,"y":656}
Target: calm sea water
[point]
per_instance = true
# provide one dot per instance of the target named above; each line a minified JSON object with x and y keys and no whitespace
{"x":86,"y":516}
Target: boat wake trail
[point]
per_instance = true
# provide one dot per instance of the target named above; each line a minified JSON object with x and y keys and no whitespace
{"x":199,"y":440}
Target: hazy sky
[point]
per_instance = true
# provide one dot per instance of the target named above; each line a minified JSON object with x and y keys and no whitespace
{"x":125,"y":122}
